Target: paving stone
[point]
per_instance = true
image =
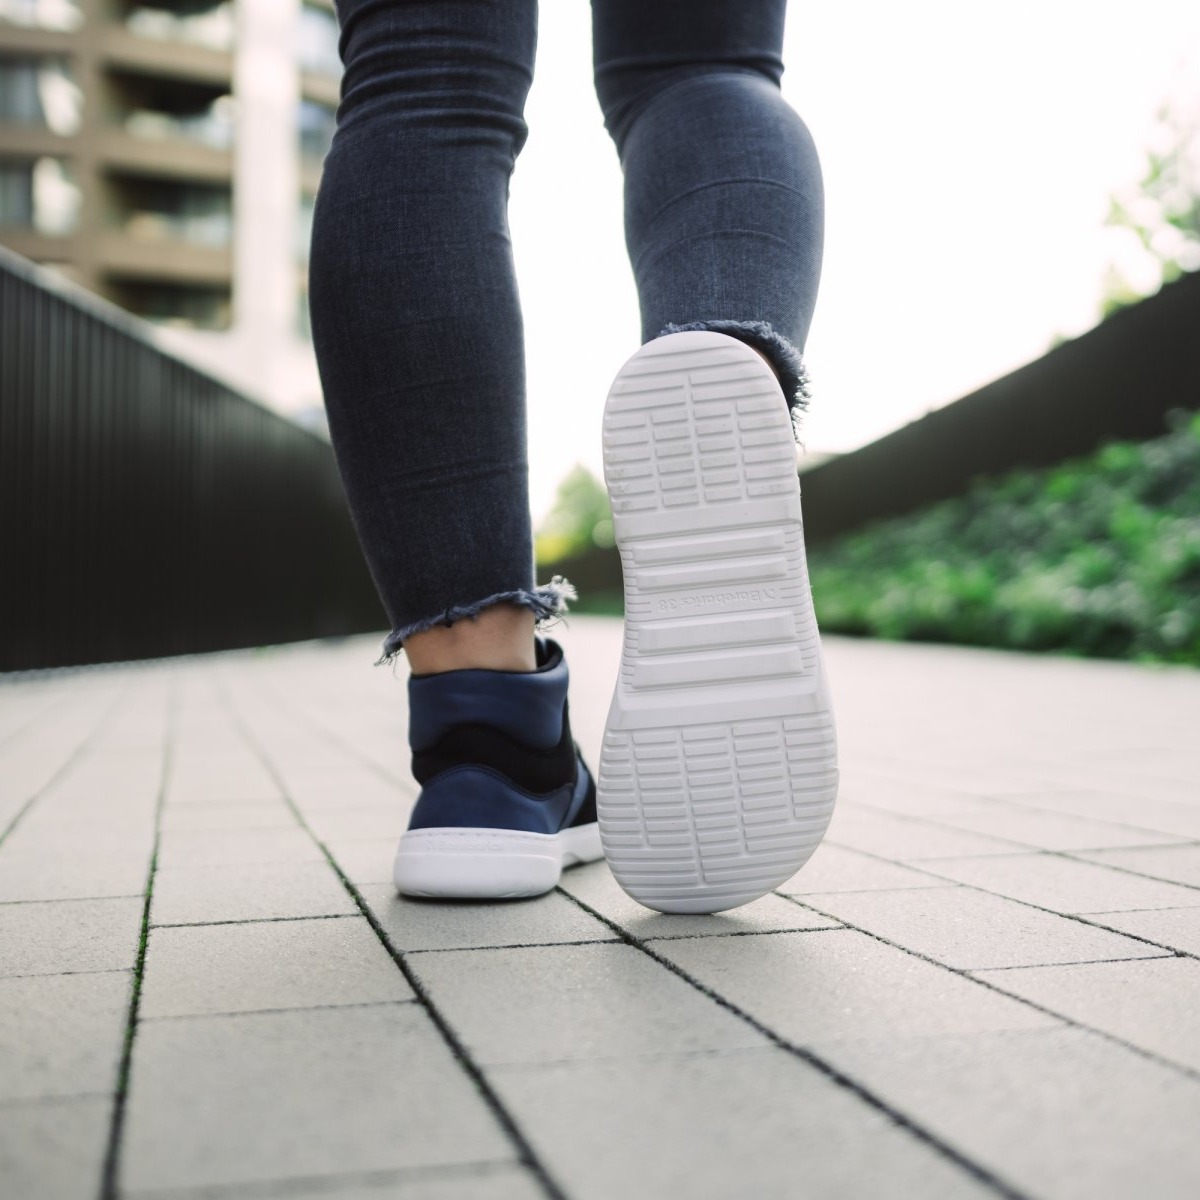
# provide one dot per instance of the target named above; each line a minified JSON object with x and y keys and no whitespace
{"x":200,"y":969}
{"x":204,"y":774}
{"x":756,"y":1123}
{"x":595,"y":886}
{"x":970,"y":780}
{"x":1054,"y":1113}
{"x":433,"y":925}
{"x":813,"y":988}
{"x":257,"y":892}
{"x":837,"y":869}
{"x":510,"y":1182}
{"x":565,"y":1002}
{"x":96,"y":787}
{"x":117,"y":824}
{"x":106,"y":778}
{"x":483,"y":1181}
{"x":1178,"y":864}
{"x":907,"y":838}
{"x":364,"y":860}
{"x":1136,"y":782}
{"x":1095,"y":767}
{"x":1178,"y":928}
{"x":972,"y":930}
{"x":54,"y":1149}
{"x":1144,"y":811}
{"x":23,"y":706}
{"x":61,"y":1035}
{"x":235,"y":1099}
{"x":224,"y":847}
{"x":358,"y":821}
{"x":250,"y":814}
{"x":49,"y":938}
{"x":337,"y":779}
{"x":1063,"y":885}
{"x":904,"y":796}
{"x":1052,"y":831}
{"x":67,"y":873}
{"x":32,"y":759}
{"x":10,"y":806}
{"x":1151,"y":1004}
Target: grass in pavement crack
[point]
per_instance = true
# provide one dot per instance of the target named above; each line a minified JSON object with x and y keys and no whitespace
{"x":108,"y":1181}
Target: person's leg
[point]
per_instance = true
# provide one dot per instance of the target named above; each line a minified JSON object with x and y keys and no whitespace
{"x":718,"y":769}
{"x":418,"y":336}
{"x":724,"y":206}
{"x":417,"y":326}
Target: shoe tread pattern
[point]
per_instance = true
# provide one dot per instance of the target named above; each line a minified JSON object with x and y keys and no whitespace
{"x":718,"y":768}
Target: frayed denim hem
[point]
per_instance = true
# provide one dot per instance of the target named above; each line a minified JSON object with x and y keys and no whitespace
{"x":785,"y":358}
{"x":547,"y":602}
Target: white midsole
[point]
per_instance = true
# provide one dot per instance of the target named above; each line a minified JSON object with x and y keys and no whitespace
{"x":478,"y":863}
{"x":718,"y":770}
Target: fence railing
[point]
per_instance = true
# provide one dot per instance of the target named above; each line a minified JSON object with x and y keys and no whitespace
{"x":147,"y":509}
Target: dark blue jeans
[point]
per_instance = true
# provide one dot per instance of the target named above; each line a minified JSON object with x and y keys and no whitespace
{"x":412,"y":294}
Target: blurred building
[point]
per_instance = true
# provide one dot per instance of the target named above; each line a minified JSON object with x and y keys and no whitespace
{"x":165,"y":154}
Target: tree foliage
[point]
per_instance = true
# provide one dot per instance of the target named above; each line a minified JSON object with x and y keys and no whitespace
{"x":1098,"y":556}
{"x":1157,"y":219}
{"x":579,"y":519}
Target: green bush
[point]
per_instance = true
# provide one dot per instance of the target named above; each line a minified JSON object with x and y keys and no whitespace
{"x":1098,"y":556}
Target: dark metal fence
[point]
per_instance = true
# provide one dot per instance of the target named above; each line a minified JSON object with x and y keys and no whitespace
{"x":146,"y":509}
{"x":1118,"y":381}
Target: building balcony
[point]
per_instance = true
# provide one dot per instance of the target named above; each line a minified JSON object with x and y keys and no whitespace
{"x":320,"y":87}
{"x":26,"y":140}
{"x":180,"y":157}
{"x":26,"y":39}
{"x":42,"y":247}
{"x":165,"y":58}
{"x":127,"y":254}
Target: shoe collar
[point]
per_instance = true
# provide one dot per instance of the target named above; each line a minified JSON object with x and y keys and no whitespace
{"x":526,"y":705}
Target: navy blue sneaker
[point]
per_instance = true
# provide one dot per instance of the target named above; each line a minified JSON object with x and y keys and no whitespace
{"x":506,"y":799}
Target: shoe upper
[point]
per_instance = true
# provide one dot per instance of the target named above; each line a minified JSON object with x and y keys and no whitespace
{"x":493,"y":749}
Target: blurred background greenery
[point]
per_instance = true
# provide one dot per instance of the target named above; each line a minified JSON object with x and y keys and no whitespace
{"x":1099,"y":556}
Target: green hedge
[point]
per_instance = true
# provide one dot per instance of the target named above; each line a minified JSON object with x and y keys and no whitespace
{"x":1099,"y":556}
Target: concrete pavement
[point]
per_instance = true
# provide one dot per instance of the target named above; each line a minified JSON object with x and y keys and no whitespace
{"x":984,"y":983}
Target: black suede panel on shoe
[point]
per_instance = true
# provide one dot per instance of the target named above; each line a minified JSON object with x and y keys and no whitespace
{"x":587,"y":812}
{"x":533,"y":770}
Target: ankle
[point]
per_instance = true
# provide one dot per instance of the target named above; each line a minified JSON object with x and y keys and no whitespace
{"x":500,"y":638}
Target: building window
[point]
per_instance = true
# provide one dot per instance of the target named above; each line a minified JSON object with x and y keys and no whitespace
{"x":39,"y":194}
{"x":16,"y":194}
{"x":159,"y":209}
{"x":41,"y":14}
{"x":303,"y":325}
{"x":316,"y":123}
{"x":304,"y":225}
{"x":40,"y":91}
{"x":211,"y":26}
{"x":317,"y":41}
{"x":157,"y":107}
{"x":175,"y":304}
{"x":210,"y":126}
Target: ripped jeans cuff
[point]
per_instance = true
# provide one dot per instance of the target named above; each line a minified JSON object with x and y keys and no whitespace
{"x":547,"y":602}
{"x":783,"y":355}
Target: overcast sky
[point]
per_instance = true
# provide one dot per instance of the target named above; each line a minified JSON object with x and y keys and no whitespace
{"x":969,"y":152}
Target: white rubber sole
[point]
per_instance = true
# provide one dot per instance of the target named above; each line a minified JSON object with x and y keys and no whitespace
{"x":718,"y":770}
{"x":489,"y":864}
